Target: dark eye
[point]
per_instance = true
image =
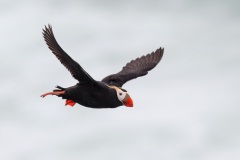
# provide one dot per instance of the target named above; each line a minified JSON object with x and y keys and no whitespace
{"x":120,"y":94}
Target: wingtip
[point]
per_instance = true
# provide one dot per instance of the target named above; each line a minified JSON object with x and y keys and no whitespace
{"x":161,"y":52}
{"x":47,"y":27}
{"x":158,"y":54}
{"x":161,"y":49}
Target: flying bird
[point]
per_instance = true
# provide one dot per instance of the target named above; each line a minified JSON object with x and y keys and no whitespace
{"x":107,"y":93}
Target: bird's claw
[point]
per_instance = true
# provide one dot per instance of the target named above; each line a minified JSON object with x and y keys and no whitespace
{"x":43,"y":95}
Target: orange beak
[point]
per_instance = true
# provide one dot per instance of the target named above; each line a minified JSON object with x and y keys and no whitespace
{"x":128,"y":102}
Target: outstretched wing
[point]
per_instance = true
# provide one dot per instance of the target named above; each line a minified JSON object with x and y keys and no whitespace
{"x":135,"y":68}
{"x":75,"y":69}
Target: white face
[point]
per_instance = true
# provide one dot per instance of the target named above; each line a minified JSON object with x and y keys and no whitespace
{"x":121,"y":94}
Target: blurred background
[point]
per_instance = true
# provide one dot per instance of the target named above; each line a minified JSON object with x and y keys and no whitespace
{"x":187,"y":108}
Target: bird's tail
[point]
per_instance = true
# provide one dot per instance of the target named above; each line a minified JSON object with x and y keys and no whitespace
{"x":69,"y":102}
{"x":59,"y":88}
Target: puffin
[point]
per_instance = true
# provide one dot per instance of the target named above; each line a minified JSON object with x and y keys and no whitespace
{"x":88,"y":92}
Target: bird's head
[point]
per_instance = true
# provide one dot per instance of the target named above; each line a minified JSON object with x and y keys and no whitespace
{"x":123,"y":96}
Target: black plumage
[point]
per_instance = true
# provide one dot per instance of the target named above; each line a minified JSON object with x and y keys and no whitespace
{"x":98,"y":94}
{"x":135,"y":68}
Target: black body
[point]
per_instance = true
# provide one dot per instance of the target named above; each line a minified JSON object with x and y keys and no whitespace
{"x":92,"y":96}
{"x":96,"y":94}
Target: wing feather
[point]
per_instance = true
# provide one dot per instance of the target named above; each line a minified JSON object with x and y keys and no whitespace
{"x":135,"y":68}
{"x":74,"y":68}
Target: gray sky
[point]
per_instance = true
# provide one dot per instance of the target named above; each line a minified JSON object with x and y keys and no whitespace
{"x":187,"y":108}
